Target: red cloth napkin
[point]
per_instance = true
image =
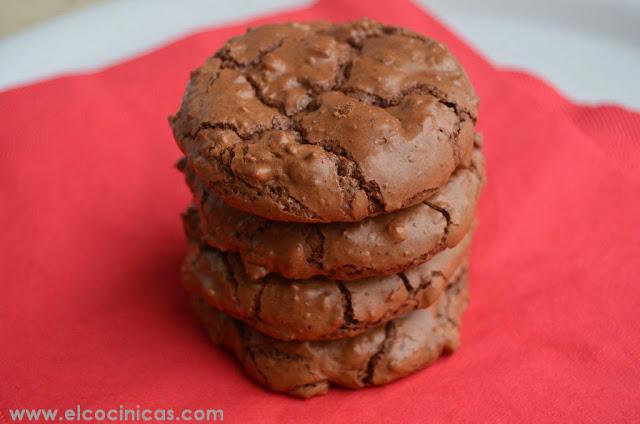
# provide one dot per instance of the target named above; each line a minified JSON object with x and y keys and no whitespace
{"x":92,"y":312}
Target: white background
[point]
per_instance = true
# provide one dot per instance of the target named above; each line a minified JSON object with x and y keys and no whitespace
{"x":588,"y":49}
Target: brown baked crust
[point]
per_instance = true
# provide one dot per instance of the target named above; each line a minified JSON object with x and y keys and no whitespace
{"x":381,"y":245}
{"x":378,"y":356}
{"x":327,"y":123}
{"x":317,"y":308}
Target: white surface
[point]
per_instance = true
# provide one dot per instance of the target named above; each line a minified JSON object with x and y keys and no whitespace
{"x":589,"y":49}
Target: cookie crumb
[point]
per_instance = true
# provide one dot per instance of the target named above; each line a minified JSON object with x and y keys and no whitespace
{"x":343,"y":110}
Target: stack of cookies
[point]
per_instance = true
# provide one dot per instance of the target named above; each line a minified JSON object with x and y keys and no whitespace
{"x":335,"y":171}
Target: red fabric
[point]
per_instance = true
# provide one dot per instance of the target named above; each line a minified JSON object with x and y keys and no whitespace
{"x":92,"y":312}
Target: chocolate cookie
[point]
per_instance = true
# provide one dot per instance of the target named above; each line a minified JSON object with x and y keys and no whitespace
{"x":378,"y":356}
{"x":327,"y":123}
{"x":381,"y":245}
{"x":316,"y":308}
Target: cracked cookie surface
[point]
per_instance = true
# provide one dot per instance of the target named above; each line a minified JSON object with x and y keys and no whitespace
{"x":378,"y":356}
{"x":381,"y":245}
{"x":327,"y":123}
{"x":316,"y":308}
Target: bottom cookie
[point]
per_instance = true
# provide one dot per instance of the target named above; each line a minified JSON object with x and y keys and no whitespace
{"x":378,"y":356}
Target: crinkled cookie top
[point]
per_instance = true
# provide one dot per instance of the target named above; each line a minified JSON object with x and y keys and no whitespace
{"x":327,"y":123}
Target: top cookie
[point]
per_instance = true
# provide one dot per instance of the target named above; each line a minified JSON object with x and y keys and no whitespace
{"x":327,"y":123}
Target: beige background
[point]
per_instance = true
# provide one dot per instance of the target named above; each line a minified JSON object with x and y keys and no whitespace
{"x":19,"y":14}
